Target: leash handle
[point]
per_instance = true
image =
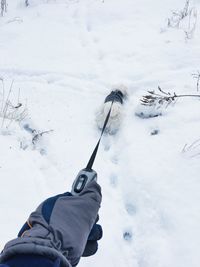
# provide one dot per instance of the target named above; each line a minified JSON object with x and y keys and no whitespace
{"x":82,"y":179}
{"x":93,"y":156}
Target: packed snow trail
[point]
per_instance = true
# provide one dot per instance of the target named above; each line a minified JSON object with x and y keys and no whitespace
{"x":64,"y":56}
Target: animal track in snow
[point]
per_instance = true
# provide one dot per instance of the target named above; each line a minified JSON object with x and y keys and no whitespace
{"x":128,"y":235}
{"x":131,"y":209}
{"x":114,"y":179}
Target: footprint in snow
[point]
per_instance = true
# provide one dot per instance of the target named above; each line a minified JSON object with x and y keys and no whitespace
{"x":131,"y":209}
{"x":114,"y":159}
{"x":155,"y":132}
{"x":113,"y":180}
{"x":128,"y":235}
{"x":106,"y":144}
{"x":107,"y":147}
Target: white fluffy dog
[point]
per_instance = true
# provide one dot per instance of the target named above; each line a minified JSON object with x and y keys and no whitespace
{"x":117,"y":95}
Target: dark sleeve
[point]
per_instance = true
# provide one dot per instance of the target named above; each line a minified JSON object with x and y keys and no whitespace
{"x":92,"y":245}
{"x":24,"y":228}
{"x":90,"y":248}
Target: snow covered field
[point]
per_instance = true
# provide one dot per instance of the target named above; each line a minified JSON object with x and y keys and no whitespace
{"x":64,"y":55}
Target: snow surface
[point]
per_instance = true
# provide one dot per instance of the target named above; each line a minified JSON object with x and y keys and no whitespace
{"x":64,"y":56}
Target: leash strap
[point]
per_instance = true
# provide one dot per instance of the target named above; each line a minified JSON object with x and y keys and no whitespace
{"x":93,"y":156}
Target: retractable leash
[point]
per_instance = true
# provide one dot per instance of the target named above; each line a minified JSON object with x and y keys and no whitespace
{"x":88,"y":174}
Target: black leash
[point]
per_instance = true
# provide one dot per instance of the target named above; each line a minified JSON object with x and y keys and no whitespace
{"x":93,"y":156}
{"x":88,"y":174}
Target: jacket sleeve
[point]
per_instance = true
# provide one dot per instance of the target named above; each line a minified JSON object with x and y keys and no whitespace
{"x":24,"y":228}
{"x":47,"y":207}
{"x":66,"y":221}
{"x":92,"y":245}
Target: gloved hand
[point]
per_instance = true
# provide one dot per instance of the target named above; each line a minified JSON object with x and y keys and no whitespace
{"x":92,"y":245}
{"x":96,"y":232}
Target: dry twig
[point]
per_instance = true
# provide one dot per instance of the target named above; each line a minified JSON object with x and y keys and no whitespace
{"x":9,"y":111}
{"x":177,"y":16}
{"x":196,"y":76}
{"x":3,"y":7}
{"x":161,"y":97}
{"x":192,"y":150}
{"x":37,"y":136}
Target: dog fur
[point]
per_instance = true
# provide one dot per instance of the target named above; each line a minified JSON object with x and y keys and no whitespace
{"x":116,"y":112}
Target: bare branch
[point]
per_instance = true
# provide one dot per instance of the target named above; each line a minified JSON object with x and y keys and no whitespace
{"x":6,"y":104}
{"x":37,"y":136}
{"x":3,"y":94}
{"x":192,"y":21}
{"x":185,"y":19}
{"x":3,"y":7}
{"x":177,"y":16}
{"x":162,"y":97}
{"x":196,"y":76}
{"x":192,"y":150}
{"x":10,"y":111}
